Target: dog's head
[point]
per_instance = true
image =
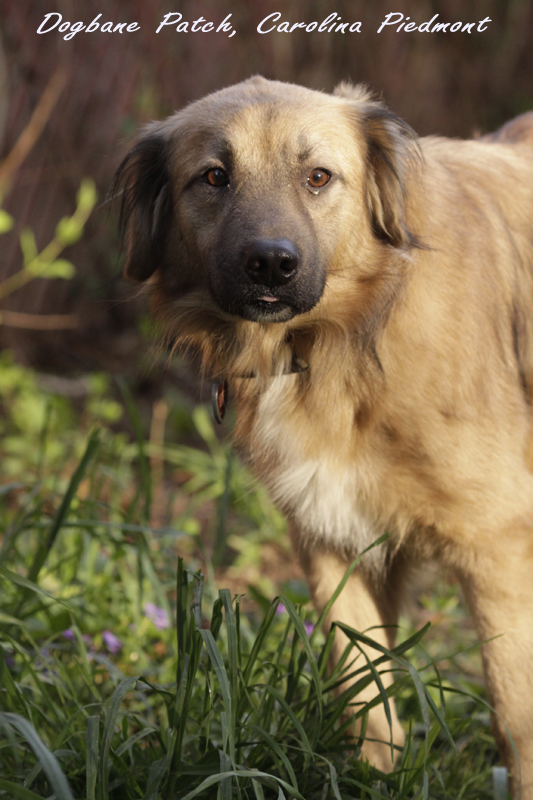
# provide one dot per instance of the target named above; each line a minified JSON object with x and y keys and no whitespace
{"x":248,"y":196}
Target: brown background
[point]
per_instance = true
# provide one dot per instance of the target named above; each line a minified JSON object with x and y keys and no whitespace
{"x":452,"y":84}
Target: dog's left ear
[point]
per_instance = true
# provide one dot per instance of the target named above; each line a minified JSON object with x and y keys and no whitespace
{"x":144,"y":181}
{"x":391,"y":151}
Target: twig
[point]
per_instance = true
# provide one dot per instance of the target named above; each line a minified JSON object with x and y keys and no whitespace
{"x":33,"y":129}
{"x":38,"y":322}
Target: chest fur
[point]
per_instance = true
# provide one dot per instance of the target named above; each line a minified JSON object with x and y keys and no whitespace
{"x":308,"y":458}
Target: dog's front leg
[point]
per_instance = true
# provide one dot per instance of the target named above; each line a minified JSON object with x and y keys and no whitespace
{"x":498,"y":585}
{"x":360,"y":607}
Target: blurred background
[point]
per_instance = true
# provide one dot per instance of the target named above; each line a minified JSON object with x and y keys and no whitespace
{"x":77,"y":105}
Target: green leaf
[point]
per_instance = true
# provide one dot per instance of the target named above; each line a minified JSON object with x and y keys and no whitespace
{"x":28,"y":246}
{"x":6,"y":221}
{"x":60,"y":268}
{"x":205,"y":428}
{"x":87,"y":196}
{"x":69,"y":230}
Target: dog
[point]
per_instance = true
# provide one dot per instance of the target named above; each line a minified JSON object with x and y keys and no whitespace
{"x":367,"y":295}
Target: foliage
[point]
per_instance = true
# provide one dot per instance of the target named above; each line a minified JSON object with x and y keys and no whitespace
{"x":119,"y":681}
{"x":47,"y":263}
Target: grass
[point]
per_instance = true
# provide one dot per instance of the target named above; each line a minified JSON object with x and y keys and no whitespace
{"x":125,"y":674}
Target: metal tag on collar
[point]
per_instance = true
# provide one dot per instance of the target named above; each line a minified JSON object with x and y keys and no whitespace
{"x":298,"y":364}
{"x":219,"y":400}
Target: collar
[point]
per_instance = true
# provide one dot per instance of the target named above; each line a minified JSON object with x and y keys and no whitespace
{"x":220,"y":391}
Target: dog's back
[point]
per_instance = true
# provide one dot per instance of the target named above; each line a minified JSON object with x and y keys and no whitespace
{"x":516,"y":131}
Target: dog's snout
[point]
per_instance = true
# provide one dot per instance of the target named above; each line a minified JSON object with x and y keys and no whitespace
{"x":272,"y":262}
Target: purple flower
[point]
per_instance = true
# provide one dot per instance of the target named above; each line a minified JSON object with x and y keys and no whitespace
{"x":309,"y":628}
{"x":71,"y":636}
{"x":281,"y":609}
{"x":158,"y":616}
{"x":112,"y":642}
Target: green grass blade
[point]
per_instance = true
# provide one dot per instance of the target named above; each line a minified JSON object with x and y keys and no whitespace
{"x":53,"y":771}
{"x":258,"y":789}
{"x":233,"y":666}
{"x":144,"y":464}
{"x":244,"y":773}
{"x":425,"y":700}
{"x":225,"y":786}
{"x":293,"y":718}
{"x":281,"y":754}
{"x":305,"y":640}
{"x":383,"y":694}
{"x":14,"y":694}
{"x":112,"y":714}
{"x":133,"y":739}
{"x":220,"y":670}
{"x":64,"y":508}
{"x":327,"y":608}
{"x":260,"y":639}
{"x":17,"y":792}
{"x":161,"y":768}
{"x":222,"y":512}
{"x":29,"y":586}
{"x":93,"y":730}
{"x":333,"y":779}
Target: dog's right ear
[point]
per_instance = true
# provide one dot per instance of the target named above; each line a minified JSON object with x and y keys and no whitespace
{"x":143,"y":180}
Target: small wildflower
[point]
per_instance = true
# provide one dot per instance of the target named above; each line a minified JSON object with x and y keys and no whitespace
{"x":157,"y":615}
{"x":309,"y":628}
{"x":71,"y":636}
{"x":112,"y":642}
{"x":281,"y":609}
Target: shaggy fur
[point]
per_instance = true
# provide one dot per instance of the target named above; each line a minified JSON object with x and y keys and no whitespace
{"x":412,"y":303}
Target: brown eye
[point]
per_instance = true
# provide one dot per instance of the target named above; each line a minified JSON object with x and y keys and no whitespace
{"x":216,"y":177}
{"x":318,"y":178}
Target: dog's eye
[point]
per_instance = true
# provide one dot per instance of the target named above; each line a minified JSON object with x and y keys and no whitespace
{"x":318,"y":178}
{"x":216,"y":177}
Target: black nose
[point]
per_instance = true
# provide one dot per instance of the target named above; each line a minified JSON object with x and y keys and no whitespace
{"x":272,"y":262}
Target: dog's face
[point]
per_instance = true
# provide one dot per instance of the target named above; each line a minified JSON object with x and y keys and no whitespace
{"x":247,"y":194}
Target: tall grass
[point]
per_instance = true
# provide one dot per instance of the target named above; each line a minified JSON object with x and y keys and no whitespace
{"x":125,"y":674}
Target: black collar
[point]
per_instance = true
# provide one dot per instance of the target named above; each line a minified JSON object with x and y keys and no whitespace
{"x":220,"y":391}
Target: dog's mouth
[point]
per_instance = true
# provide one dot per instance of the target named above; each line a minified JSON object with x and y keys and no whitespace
{"x":266,"y":308}
{"x":257,"y":303}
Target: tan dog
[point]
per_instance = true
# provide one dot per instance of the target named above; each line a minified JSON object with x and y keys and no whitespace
{"x":279,"y":225}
